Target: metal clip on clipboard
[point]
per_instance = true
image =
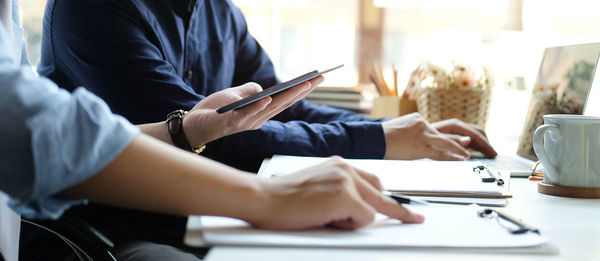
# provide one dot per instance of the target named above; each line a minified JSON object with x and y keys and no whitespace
{"x":487,"y":175}
{"x":521,"y":228}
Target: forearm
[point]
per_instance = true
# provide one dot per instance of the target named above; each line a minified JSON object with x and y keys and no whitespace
{"x":157,"y":130}
{"x":152,"y":176}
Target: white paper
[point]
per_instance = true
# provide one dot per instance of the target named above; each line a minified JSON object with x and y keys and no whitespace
{"x":403,"y":175}
{"x":445,"y":226}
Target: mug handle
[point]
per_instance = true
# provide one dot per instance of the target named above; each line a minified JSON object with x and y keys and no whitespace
{"x":538,"y":146}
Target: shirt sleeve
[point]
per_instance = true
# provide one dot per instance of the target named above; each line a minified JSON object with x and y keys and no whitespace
{"x":51,"y":140}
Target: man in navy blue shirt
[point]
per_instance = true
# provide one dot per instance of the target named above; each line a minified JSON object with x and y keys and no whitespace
{"x":149,"y":58}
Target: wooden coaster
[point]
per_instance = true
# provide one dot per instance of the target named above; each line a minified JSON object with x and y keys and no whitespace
{"x":565,"y":191}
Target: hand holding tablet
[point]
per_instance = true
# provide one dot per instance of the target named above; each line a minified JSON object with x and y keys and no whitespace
{"x":274,"y":89}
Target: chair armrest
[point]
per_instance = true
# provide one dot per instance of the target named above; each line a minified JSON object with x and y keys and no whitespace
{"x":87,"y":242}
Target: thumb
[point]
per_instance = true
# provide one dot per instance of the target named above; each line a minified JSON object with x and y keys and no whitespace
{"x":248,"y":89}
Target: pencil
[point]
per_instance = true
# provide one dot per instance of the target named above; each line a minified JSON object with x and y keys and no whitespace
{"x":379,"y":77}
{"x":395,"y":74}
{"x":377,"y":87}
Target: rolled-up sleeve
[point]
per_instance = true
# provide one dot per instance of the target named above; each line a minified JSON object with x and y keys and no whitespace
{"x":51,"y":140}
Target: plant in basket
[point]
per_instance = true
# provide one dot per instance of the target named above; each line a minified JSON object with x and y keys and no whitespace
{"x":454,"y":91}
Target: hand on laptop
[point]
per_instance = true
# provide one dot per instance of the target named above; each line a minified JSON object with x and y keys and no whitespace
{"x":457,"y":130}
{"x":412,"y":137}
{"x":203,"y":124}
{"x":330,"y":194}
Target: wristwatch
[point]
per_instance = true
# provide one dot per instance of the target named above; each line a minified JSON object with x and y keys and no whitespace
{"x":175,"y":127}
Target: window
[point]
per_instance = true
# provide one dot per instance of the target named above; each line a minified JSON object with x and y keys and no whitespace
{"x":32,"y":13}
{"x":306,"y":34}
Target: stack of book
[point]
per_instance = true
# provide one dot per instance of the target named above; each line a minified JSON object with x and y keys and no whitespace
{"x":355,"y":99}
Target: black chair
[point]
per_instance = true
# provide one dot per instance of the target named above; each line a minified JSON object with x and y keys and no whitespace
{"x":87,"y":242}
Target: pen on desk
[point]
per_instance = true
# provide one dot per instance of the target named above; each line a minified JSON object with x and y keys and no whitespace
{"x":402,"y":199}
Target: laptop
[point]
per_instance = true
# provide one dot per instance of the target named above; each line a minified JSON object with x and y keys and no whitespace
{"x":565,"y":71}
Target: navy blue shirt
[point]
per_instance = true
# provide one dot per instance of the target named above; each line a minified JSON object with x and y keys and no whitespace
{"x":148,"y":58}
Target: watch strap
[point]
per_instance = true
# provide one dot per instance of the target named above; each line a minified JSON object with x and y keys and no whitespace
{"x":175,"y":127}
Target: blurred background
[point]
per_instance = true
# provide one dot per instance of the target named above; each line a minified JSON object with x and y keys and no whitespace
{"x":507,"y":36}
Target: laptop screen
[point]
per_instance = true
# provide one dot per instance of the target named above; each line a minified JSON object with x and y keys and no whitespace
{"x":566,"y":74}
{"x":562,"y":86}
{"x":592,"y":104}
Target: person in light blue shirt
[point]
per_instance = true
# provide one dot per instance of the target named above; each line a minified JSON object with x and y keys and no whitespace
{"x":59,"y":148}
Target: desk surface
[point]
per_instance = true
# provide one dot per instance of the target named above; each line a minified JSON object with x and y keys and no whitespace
{"x":572,"y":225}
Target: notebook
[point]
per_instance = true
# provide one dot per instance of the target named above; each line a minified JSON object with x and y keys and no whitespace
{"x":569,"y":69}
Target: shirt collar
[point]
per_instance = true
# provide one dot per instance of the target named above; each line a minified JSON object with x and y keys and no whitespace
{"x":191,"y":4}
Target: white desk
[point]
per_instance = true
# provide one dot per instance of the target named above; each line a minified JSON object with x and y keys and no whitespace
{"x":573,"y":225}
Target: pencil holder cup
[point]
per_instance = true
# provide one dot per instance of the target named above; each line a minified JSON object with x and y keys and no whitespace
{"x":392,"y":106}
{"x":469,"y":105}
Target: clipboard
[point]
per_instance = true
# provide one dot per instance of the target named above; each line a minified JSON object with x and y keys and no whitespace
{"x":445,"y":227}
{"x":414,"y":178}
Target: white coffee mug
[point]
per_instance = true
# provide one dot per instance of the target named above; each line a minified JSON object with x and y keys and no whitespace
{"x":569,"y":148}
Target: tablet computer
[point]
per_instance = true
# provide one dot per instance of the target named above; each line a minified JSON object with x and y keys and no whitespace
{"x":274,"y":89}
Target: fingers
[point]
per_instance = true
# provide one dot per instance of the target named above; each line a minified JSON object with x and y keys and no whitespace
{"x":361,"y":214}
{"x":368,"y":186}
{"x":284,"y":100}
{"x":279,"y":102}
{"x":478,"y":137}
{"x":462,"y":140}
{"x":253,"y":108}
{"x":257,"y":113}
{"x":316,"y":81}
{"x":481,"y":144}
{"x":384,"y":204}
{"x":370,"y":178}
{"x":294,"y":94}
{"x":447,"y":149}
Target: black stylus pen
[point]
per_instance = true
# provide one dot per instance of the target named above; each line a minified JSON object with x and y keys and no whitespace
{"x":402,"y":199}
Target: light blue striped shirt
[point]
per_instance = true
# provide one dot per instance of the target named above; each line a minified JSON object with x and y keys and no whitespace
{"x":50,"y":139}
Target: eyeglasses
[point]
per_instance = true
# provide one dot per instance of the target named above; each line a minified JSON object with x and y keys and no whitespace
{"x":536,"y":175}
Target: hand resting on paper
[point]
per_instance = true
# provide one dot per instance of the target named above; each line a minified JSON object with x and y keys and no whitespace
{"x":330,"y":194}
{"x":203,"y":124}
{"x":412,"y":137}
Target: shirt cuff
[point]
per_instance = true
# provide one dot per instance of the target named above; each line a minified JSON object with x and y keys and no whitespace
{"x":369,"y":139}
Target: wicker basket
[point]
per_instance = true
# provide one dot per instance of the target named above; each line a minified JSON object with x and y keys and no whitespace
{"x":468,"y":105}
